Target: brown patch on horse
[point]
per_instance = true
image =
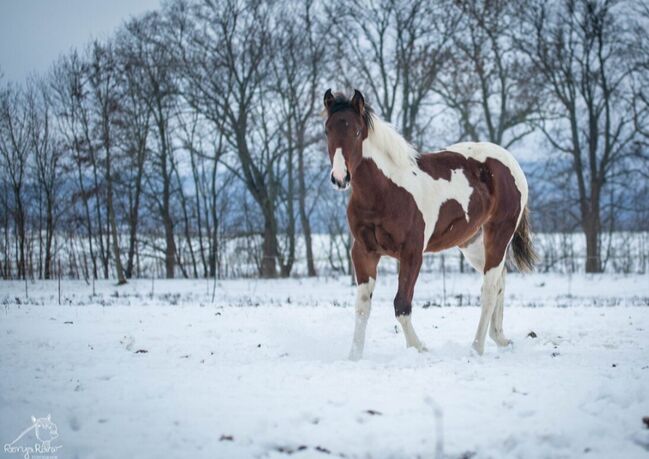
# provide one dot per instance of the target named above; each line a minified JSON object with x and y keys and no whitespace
{"x":471,"y":240}
{"x":500,"y":228}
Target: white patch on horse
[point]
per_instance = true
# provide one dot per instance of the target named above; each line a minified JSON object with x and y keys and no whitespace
{"x":475,"y":254}
{"x":397,"y":159}
{"x":339,"y":170}
{"x":363,"y":309}
{"x":481,"y":151}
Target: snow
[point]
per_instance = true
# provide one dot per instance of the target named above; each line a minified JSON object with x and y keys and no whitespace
{"x":261,"y":371}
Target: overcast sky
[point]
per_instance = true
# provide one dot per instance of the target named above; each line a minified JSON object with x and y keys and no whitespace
{"x":33,"y":33}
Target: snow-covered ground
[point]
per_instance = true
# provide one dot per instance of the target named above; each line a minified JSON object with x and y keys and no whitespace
{"x":162,"y":370}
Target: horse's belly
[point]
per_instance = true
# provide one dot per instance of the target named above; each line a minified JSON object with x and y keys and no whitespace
{"x":452,"y":227}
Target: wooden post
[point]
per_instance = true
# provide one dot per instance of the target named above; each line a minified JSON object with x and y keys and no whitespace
{"x":443,"y":280}
{"x":59,"y":271}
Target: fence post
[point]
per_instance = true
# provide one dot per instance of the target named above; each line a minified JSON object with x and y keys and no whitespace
{"x":152,"y":282}
{"x":59,"y":276}
{"x":443,"y":280}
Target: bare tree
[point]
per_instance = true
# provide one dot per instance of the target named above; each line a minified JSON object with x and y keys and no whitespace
{"x":159,"y":89}
{"x":69,"y":99}
{"x":103,"y":82}
{"x":135,"y":126}
{"x":640,"y":50}
{"x":580,"y":48}
{"x":226,"y":65}
{"x":488,"y":83}
{"x":14,"y":152}
{"x":396,"y":51}
{"x":48,"y":158}
{"x":297,"y":71}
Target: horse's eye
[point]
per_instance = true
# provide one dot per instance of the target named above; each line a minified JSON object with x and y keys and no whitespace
{"x":358,"y":133}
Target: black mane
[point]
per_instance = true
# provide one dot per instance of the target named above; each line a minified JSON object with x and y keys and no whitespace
{"x":342,"y":102}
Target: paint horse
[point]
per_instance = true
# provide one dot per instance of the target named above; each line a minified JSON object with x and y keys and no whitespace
{"x":469,"y":195}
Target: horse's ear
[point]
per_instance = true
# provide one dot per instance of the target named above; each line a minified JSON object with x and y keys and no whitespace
{"x":358,"y":102}
{"x":33,"y":420}
{"x":328,"y":99}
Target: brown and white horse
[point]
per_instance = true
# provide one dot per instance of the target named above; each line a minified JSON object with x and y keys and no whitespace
{"x":469,"y":195}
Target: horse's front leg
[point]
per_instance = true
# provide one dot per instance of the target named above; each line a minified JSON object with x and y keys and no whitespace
{"x":410,"y":264}
{"x":365,"y":263}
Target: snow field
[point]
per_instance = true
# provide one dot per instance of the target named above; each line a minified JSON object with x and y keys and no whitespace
{"x":262,"y":371}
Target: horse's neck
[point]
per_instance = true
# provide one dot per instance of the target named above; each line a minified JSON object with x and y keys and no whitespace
{"x":368,"y":183}
{"x":23,"y":433}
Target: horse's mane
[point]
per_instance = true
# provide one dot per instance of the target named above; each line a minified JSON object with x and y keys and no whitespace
{"x":383,"y":138}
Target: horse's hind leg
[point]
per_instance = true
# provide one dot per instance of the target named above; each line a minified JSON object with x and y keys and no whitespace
{"x":496,"y":238}
{"x":496,"y":328}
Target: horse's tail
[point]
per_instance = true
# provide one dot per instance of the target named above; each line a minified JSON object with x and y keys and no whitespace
{"x":522,"y":247}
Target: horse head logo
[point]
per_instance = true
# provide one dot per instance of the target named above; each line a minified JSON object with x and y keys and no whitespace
{"x":44,"y":429}
{"x":36,"y":439}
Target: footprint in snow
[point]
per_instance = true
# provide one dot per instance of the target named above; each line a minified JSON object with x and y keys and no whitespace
{"x":127,"y":342}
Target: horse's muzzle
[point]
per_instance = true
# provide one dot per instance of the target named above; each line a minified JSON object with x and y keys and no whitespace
{"x":340,"y":185}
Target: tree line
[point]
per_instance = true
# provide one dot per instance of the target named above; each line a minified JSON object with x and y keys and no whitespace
{"x":194,"y":134}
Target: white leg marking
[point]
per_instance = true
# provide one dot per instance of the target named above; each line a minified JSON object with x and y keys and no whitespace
{"x":363,"y":308}
{"x":339,"y":170}
{"x":474,"y":253}
{"x":489,"y":296}
{"x":409,"y":332}
{"x":496,"y":329}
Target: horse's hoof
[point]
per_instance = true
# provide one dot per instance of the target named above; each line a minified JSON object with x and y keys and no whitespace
{"x":421,"y":347}
{"x":503,"y":342}
{"x":479,"y":349}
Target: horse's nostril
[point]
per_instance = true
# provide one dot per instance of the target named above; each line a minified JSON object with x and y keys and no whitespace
{"x":333,"y":180}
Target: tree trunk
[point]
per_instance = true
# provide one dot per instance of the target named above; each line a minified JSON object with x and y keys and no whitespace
{"x":304,"y":218}
{"x":593,"y":254}
{"x":135,"y":216}
{"x":170,"y":250}
{"x":290,"y":214}
{"x":49,"y":234}
{"x":269,"y":252}
{"x":20,"y":223}
{"x":121,"y":279}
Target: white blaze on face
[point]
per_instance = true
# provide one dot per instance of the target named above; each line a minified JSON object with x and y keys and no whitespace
{"x":339,"y":170}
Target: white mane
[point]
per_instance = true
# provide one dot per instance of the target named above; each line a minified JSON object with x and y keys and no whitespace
{"x":383,"y":139}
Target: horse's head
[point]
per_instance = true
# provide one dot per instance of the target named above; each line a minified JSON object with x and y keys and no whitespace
{"x":45,"y":429}
{"x":348,"y":123}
